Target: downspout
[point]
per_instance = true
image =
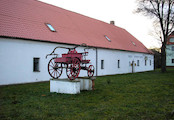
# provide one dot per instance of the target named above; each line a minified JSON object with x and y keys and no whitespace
{"x":96,"y":62}
{"x":132,"y":66}
{"x":93,"y":83}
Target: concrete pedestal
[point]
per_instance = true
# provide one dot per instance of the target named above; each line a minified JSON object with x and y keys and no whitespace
{"x":65,"y":86}
{"x":85,"y":84}
{"x":71,"y":87}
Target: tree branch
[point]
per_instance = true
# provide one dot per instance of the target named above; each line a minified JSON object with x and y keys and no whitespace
{"x":168,"y":18}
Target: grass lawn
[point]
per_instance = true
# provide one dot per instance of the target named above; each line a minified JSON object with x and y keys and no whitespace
{"x":138,"y":96}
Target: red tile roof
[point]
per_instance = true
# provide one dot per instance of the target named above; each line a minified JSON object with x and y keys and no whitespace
{"x":27,"y":18}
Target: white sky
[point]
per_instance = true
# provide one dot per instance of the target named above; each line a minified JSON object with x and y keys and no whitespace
{"x":120,"y":11}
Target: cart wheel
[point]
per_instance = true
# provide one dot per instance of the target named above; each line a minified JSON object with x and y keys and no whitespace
{"x":54,"y":69}
{"x":90,"y":71}
{"x":73,"y":69}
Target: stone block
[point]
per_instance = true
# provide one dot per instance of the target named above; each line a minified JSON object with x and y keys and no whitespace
{"x":65,"y":86}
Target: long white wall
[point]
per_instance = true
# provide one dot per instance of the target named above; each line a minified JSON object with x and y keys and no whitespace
{"x":16,"y":61}
{"x":125,"y":58}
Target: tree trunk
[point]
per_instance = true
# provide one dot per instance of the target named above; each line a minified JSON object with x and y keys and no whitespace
{"x":163,"y":57}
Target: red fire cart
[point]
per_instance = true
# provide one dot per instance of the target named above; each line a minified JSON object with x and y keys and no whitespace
{"x":72,"y":61}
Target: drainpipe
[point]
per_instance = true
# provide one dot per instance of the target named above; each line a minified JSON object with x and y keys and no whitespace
{"x":132,"y":66}
{"x":96,"y":62}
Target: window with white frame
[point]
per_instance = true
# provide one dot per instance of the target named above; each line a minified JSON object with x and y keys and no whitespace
{"x":138,"y":62}
{"x":130,"y":63}
{"x":36,"y":64}
{"x":118,"y":64}
{"x":172,"y":60}
{"x":102,"y":64}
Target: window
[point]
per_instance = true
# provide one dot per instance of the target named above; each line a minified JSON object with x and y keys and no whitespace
{"x":118,"y":65}
{"x":171,"y":39}
{"x":172,"y":60}
{"x":130,"y":64}
{"x":36,"y":64}
{"x":172,"y":48}
{"x":50,"y":27}
{"x":133,"y":43}
{"x":102,"y":64}
{"x":138,"y":63}
{"x":107,"y":38}
{"x":145,"y":62}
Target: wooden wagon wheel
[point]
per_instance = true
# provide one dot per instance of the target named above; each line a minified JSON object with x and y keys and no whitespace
{"x":73,"y":69}
{"x":54,"y":69}
{"x":90,"y":71}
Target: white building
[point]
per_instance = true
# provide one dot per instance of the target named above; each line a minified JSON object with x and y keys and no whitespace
{"x":30,"y":30}
{"x":170,"y":51}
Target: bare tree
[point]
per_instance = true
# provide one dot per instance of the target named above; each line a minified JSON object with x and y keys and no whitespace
{"x":162,"y":12}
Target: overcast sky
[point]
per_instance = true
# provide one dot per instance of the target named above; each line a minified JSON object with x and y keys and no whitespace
{"x":120,"y":11}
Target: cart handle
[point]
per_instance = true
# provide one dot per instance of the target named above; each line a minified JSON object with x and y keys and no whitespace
{"x":69,"y":49}
{"x":50,"y":55}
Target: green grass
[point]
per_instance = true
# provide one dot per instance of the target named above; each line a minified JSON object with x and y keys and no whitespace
{"x":138,"y":96}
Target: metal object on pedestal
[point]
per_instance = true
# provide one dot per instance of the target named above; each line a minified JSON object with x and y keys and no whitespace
{"x":72,"y":61}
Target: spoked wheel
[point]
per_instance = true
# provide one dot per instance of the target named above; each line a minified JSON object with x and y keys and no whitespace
{"x":54,"y":69}
{"x":90,"y":71}
{"x":73,"y":69}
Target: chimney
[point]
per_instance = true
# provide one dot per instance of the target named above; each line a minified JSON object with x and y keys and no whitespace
{"x":112,"y":22}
